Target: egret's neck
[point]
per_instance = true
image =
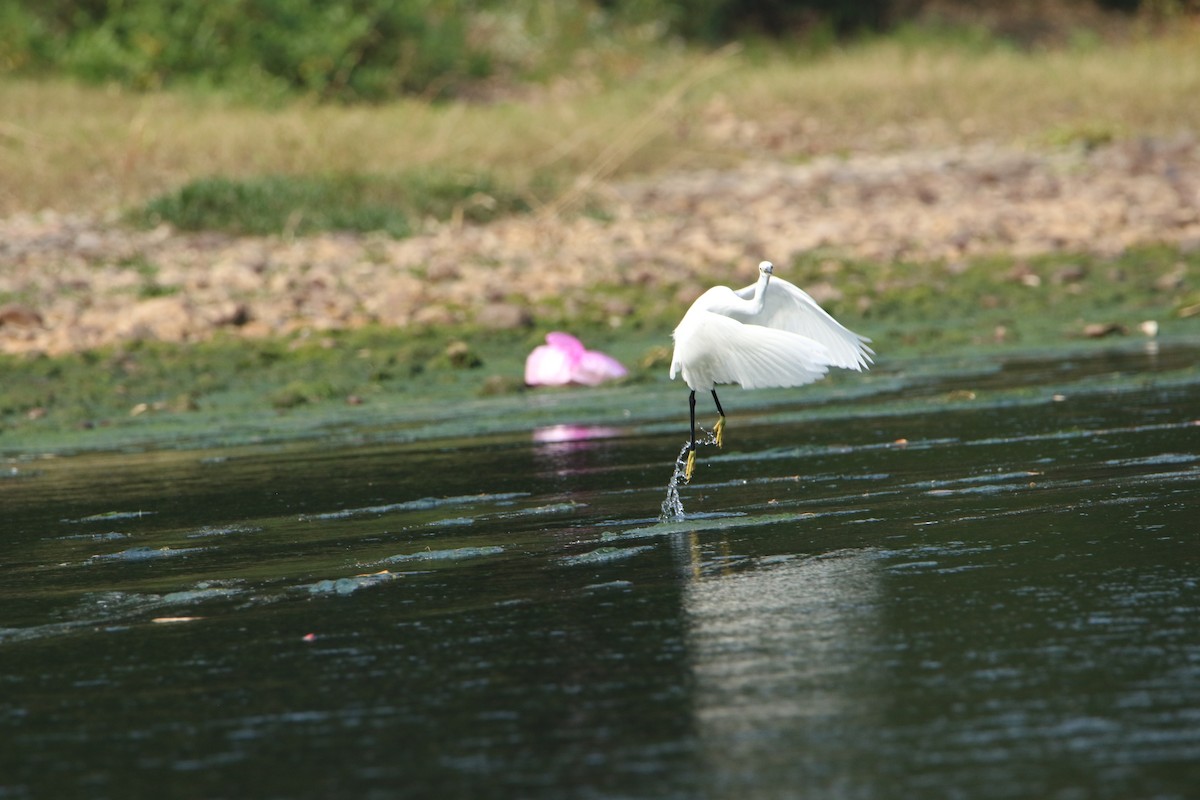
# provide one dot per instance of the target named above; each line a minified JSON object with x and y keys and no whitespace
{"x":760,"y":291}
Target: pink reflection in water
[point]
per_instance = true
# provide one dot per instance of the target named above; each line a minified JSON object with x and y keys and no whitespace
{"x":556,"y":434}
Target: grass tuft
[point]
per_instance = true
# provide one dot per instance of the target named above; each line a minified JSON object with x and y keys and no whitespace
{"x":305,"y":204}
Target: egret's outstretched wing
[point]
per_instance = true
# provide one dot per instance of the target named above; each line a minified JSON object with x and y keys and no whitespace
{"x":722,"y":350}
{"x":787,"y":307}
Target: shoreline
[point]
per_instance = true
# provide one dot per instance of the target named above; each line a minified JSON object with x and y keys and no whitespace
{"x":75,"y":283}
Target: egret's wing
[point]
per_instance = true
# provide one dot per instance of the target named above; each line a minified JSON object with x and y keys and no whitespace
{"x":787,"y":307}
{"x":723,"y":350}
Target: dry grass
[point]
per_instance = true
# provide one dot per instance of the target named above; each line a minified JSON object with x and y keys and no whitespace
{"x":74,"y":148}
{"x":896,"y":95}
{"x":68,"y":147}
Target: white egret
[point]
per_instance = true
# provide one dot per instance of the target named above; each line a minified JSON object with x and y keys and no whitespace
{"x":771,"y":334}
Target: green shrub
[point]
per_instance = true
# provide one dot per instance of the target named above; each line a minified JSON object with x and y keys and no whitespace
{"x":306,"y":204}
{"x":722,"y":20}
{"x":23,"y":37}
{"x":376,"y":49}
{"x":340,"y":49}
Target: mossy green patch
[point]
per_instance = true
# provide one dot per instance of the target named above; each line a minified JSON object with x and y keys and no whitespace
{"x":1001,"y":299}
{"x":394,"y":204}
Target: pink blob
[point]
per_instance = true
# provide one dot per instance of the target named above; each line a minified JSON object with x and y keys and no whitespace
{"x":563,"y":359}
{"x":547,"y":366}
{"x":566,"y":343}
{"x":595,"y":368}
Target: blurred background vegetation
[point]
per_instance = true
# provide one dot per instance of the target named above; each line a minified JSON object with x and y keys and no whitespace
{"x":292,"y":116}
{"x":374,"y":50}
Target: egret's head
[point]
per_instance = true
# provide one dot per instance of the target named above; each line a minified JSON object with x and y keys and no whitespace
{"x":766,"y":269}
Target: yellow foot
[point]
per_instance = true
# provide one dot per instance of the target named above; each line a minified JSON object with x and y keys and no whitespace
{"x":690,"y":468}
{"x":719,"y":430}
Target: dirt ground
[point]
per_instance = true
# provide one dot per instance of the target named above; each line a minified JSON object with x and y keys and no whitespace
{"x":70,"y":283}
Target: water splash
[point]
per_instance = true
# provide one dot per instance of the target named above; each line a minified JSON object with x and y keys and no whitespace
{"x":672,"y":505}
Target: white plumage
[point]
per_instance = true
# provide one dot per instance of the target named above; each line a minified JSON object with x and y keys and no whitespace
{"x":769,"y":334}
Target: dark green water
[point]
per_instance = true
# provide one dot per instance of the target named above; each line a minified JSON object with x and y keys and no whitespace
{"x":969,"y":580}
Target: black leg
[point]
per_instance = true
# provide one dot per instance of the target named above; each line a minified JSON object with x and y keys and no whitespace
{"x":692,"y":409}
{"x":691,"y":450}
{"x":720,"y":410}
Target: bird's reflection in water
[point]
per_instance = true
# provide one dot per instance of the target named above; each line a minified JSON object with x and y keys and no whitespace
{"x":786,"y":689}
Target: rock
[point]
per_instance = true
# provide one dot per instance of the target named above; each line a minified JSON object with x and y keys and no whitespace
{"x":234,"y":276}
{"x":395,"y":301}
{"x":1073,"y":273}
{"x":503,"y":317}
{"x":461,"y":356}
{"x":1098,"y":330}
{"x":20,"y":315}
{"x":168,"y":319}
{"x":433,"y":315}
{"x":231,"y":313}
